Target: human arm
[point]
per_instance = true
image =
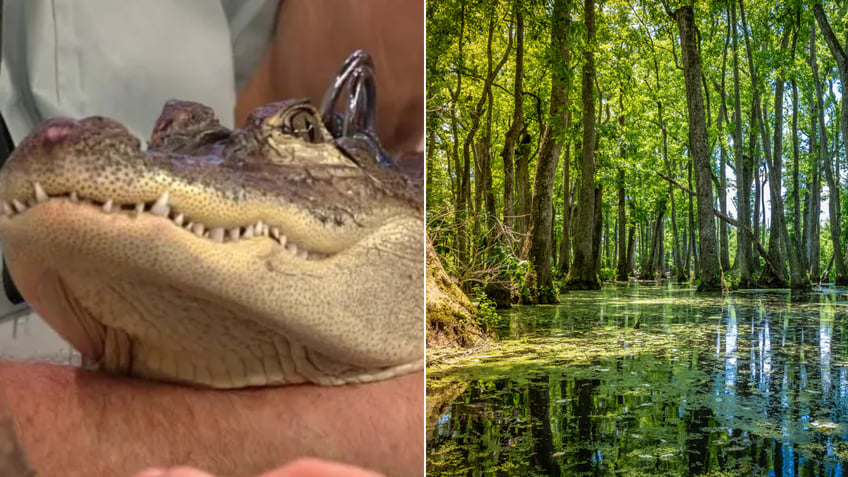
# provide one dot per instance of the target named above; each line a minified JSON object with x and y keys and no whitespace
{"x":71,"y":421}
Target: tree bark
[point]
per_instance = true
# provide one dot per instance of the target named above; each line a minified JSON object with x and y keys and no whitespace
{"x":582,"y":274}
{"x":538,"y":245}
{"x":710,"y":269}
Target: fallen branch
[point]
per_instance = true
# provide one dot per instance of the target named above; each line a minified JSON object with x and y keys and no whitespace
{"x":762,"y":250}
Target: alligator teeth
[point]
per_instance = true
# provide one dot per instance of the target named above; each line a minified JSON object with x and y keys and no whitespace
{"x":40,"y":195}
{"x":198,"y":229}
{"x":161,"y":208}
{"x":217,"y":234}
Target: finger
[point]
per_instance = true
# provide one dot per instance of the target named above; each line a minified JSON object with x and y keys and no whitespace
{"x":173,"y":472}
{"x":319,"y":468}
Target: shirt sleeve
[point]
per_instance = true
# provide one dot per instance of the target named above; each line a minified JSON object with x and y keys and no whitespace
{"x":121,"y":59}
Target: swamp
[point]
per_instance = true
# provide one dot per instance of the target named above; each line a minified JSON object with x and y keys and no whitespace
{"x":632,"y":206}
{"x":650,"y":380}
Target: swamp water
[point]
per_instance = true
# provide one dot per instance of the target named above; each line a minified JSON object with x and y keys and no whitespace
{"x":650,"y":380}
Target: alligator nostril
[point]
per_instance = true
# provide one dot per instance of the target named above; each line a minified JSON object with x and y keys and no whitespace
{"x":58,"y":132}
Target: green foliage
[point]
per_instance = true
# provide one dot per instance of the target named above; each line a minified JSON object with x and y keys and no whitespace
{"x":487,"y":315}
{"x":639,"y":94}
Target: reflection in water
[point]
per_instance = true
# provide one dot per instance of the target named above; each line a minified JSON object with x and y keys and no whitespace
{"x":652,"y":381}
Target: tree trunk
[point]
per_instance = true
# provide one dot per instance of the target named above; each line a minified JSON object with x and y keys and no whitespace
{"x":796,"y":196}
{"x":621,"y":272}
{"x":678,"y":261}
{"x":744,"y":260}
{"x":488,"y":188}
{"x":596,"y":230}
{"x":776,"y":273}
{"x":565,"y":243}
{"x":522,"y":184}
{"x":797,"y":278}
{"x":481,"y":148}
{"x":538,"y":245}
{"x":710,"y":269}
{"x":757,"y":189}
{"x":690,"y":249}
{"x":814,"y":187}
{"x":517,"y":125}
{"x":833,"y":200}
{"x":724,"y":244}
{"x":652,"y":264}
{"x":459,"y":206}
{"x":839,"y":55}
{"x":582,"y":274}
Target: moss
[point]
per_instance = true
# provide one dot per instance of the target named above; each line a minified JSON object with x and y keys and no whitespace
{"x":451,"y":317}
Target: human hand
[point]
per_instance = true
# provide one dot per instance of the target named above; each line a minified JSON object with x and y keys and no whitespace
{"x":298,"y":468}
{"x":75,"y":422}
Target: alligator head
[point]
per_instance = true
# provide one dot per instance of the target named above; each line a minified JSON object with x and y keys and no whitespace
{"x":217,"y":257}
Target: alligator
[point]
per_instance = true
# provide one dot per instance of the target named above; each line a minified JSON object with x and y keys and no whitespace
{"x":280,"y":253}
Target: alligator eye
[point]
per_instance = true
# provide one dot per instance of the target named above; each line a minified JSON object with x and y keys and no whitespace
{"x":303,"y":124}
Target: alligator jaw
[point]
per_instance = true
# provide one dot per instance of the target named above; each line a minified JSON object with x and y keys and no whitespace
{"x":254,"y":294}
